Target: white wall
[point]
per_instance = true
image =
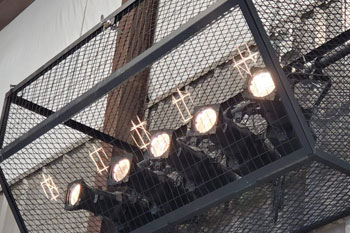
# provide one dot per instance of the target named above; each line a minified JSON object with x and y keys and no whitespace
{"x":39,"y":33}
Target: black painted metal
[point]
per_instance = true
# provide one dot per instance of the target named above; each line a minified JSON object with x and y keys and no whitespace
{"x":127,"y":6}
{"x":267,"y":52}
{"x":4,"y":116}
{"x":323,"y":222}
{"x":335,"y":55}
{"x":122,"y":74}
{"x":323,"y":49}
{"x":332,"y":161}
{"x":229,"y":191}
{"x":74,"y":125}
{"x":4,"y":185}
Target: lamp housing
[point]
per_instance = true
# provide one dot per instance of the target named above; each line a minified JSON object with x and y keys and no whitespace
{"x":260,"y":84}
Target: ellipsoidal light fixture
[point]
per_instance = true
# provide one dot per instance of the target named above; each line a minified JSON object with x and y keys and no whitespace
{"x":205,"y":120}
{"x":225,"y":126}
{"x":261,"y":84}
{"x":162,"y":192}
{"x":160,"y":143}
{"x":245,"y":151}
{"x":121,"y":169}
{"x":117,"y":207}
{"x":201,"y":172}
{"x":262,"y":92}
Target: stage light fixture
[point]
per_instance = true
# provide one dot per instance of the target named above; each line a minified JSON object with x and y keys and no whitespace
{"x":224,"y":125}
{"x":205,"y":119}
{"x":201,"y":172}
{"x":74,"y":194}
{"x":279,"y":130}
{"x":121,"y":169}
{"x":260,"y":84}
{"x":162,"y":192}
{"x":117,"y":207}
{"x":160,"y":143}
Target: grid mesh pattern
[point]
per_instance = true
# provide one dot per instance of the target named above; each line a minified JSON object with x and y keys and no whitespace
{"x":299,"y":198}
{"x":314,"y":50}
{"x":132,"y":156}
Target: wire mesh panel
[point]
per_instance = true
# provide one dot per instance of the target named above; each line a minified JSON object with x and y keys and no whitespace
{"x":313,"y":48}
{"x":291,"y":203}
{"x":206,"y":114}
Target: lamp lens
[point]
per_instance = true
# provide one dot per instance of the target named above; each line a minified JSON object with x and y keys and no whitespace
{"x":121,"y":169}
{"x":74,"y":194}
{"x":262,"y":84}
{"x":205,"y":120}
{"x":160,"y":144}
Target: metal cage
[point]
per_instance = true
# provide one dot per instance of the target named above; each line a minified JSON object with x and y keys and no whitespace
{"x":186,"y":116}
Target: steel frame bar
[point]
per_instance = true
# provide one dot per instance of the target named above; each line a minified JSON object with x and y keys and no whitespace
{"x":323,"y":222}
{"x":292,"y":108}
{"x":4,"y":116}
{"x":13,"y":92}
{"x":114,"y":17}
{"x":230,"y":191}
{"x":322,"y":50}
{"x":332,"y":161}
{"x":75,"y":125}
{"x":119,"y":76}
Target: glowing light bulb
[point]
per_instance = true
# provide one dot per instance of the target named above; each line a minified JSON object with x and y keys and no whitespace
{"x":205,"y":120}
{"x":121,"y":169}
{"x":160,"y":144}
{"x":74,"y":194}
{"x":262,"y":84}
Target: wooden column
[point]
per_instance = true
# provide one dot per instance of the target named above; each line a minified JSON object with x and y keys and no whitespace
{"x":135,"y":33}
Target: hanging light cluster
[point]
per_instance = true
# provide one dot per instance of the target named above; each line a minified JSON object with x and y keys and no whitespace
{"x":174,"y":170}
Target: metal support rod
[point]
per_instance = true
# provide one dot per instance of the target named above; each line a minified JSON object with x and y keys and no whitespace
{"x":322,"y":50}
{"x":151,"y":55}
{"x":229,"y":191}
{"x":292,"y":107}
{"x":333,"y":56}
{"x":12,"y":203}
{"x":4,"y":116}
{"x":75,"y":125}
{"x":332,"y":161}
{"x":329,"y":58}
